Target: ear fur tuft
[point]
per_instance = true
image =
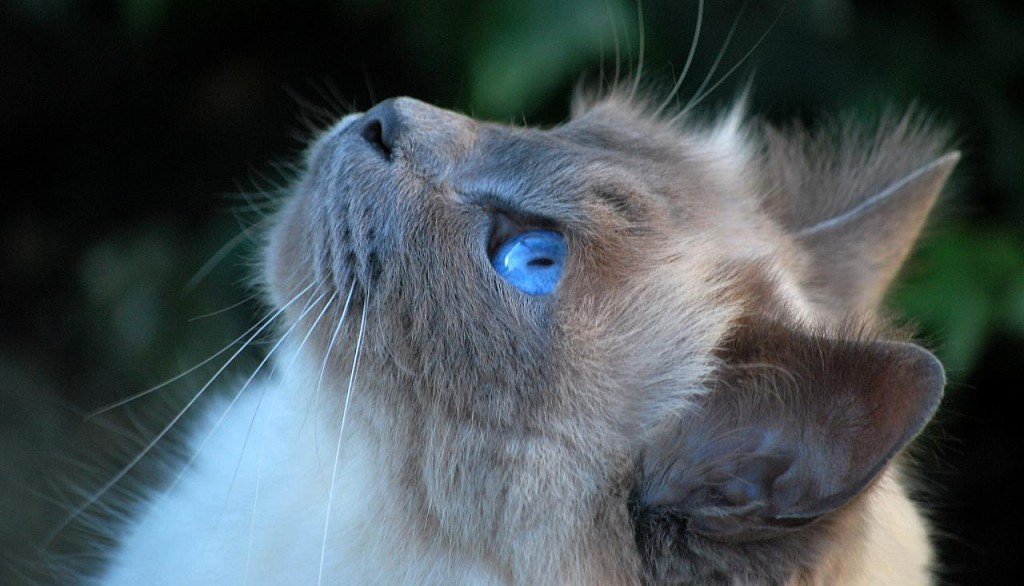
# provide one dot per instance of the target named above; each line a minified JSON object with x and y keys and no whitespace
{"x":855,"y":200}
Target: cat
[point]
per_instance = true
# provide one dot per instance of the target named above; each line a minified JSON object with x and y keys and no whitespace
{"x":631,"y":348}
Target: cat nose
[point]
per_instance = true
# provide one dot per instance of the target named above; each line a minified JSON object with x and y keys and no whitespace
{"x":381,"y":126}
{"x":414,"y":132}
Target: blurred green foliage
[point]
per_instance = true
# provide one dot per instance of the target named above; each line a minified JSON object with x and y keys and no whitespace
{"x":966,"y":286}
{"x":528,"y":48}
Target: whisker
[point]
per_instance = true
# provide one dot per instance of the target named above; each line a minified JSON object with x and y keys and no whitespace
{"x":266,"y":187}
{"x":217,"y":257}
{"x":224,"y":309}
{"x":252,"y":420}
{"x":330,"y":347}
{"x":341,"y":432}
{"x":248,"y":203}
{"x":640,"y":51}
{"x":262,"y":209}
{"x":238,"y":395}
{"x":319,"y":381}
{"x":689,"y":60}
{"x":369,"y":84}
{"x":615,"y":40}
{"x":149,"y":446}
{"x":259,"y":464}
{"x":316,"y":322}
{"x":722,"y":50}
{"x":334,"y":98}
{"x":698,"y":99}
{"x":324,"y":115}
{"x":262,"y":323}
{"x":332,"y":105}
{"x":255,"y":499}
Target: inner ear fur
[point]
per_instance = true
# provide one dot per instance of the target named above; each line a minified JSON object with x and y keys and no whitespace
{"x":798,"y":425}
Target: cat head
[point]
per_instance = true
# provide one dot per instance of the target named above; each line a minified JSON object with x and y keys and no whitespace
{"x":673,"y":302}
{"x":409,"y":204}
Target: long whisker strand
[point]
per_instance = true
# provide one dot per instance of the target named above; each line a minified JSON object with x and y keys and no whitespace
{"x":261,"y":324}
{"x":330,"y":345}
{"x":341,"y":433}
{"x":689,"y":60}
{"x":722,"y":50}
{"x":224,"y":309}
{"x":238,"y":395}
{"x":163,"y":432}
{"x":316,"y":322}
{"x":259,"y":464}
{"x":698,"y":99}
{"x":217,"y":257}
{"x":640,"y":51}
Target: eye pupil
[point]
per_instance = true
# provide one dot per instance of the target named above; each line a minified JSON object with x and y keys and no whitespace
{"x":532,"y":261}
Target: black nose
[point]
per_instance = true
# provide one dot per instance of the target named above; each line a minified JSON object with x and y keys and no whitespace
{"x":381,"y":127}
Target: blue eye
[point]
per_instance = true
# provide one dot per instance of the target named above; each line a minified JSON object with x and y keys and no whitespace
{"x":532,"y":261}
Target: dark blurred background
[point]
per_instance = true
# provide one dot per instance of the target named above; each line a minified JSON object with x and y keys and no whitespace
{"x":141,"y":139}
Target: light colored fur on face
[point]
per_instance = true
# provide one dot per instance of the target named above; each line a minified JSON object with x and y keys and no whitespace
{"x":493,"y":437}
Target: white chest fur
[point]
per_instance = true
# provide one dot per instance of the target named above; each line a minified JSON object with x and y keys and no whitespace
{"x":253,"y":506}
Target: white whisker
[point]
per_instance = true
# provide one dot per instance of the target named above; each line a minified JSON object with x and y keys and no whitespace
{"x":721,"y":51}
{"x":217,"y":257}
{"x":316,"y":322}
{"x":149,"y":446}
{"x":330,"y":348}
{"x":323,"y":368}
{"x":697,"y":99}
{"x":689,"y":60}
{"x":640,"y":51}
{"x":261,"y":324}
{"x":259,"y":464}
{"x":224,"y":309}
{"x":238,"y":395}
{"x":341,"y":432}
{"x":245,"y":443}
{"x":255,"y":499}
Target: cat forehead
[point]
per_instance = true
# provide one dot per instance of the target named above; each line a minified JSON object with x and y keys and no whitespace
{"x":614,"y":133}
{"x":611,"y":134}
{"x":614,"y":154}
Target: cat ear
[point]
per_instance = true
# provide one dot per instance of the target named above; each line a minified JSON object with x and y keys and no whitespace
{"x":798,"y":426}
{"x":855,"y":193}
{"x":856,"y":254}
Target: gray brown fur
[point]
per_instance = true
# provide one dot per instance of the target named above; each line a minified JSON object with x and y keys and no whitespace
{"x":527,"y":432}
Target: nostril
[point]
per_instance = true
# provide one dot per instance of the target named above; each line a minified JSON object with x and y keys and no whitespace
{"x":383,"y":126}
{"x":373,"y":133}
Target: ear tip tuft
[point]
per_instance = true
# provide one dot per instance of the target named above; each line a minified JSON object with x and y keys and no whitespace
{"x":936,"y":374}
{"x":946,"y":162}
{"x":924,"y":373}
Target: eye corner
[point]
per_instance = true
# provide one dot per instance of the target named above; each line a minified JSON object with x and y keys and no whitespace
{"x":502,"y":228}
{"x":506,"y":224}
